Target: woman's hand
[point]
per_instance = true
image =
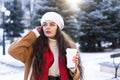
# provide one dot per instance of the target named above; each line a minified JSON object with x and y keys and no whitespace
{"x":37,"y":31}
{"x":76,"y":59}
{"x":38,"y":28}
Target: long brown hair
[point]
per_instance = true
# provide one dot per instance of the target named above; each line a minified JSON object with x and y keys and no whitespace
{"x":41,"y":45}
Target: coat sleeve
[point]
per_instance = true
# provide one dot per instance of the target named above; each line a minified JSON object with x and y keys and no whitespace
{"x":76,"y":74}
{"x":22,"y":48}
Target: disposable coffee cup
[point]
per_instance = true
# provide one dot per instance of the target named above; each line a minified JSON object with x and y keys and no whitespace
{"x":70,"y":54}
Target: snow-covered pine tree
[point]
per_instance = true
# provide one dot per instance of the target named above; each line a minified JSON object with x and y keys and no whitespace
{"x":13,"y":25}
{"x":99,"y":21}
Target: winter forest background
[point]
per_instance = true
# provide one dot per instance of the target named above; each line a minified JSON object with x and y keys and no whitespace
{"x":93,"y":24}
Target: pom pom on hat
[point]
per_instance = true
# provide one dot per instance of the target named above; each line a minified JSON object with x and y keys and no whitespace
{"x":55,"y":17}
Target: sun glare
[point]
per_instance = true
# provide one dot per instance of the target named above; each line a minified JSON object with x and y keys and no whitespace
{"x":73,"y":3}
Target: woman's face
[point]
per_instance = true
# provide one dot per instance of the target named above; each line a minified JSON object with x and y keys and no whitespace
{"x":50,"y":29}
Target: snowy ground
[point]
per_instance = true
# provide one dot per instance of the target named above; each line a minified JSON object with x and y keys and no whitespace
{"x":11,"y":69}
{"x":92,"y":67}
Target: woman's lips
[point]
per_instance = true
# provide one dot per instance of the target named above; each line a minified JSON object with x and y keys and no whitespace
{"x":48,"y":32}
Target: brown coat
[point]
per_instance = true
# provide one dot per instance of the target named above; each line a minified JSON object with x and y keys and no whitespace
{"x":22,"y":50}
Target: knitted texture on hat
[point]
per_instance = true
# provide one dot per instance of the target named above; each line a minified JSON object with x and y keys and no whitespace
{"x":55,"y":17}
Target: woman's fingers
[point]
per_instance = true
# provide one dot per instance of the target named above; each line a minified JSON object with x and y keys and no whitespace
{"x":38,"y":28}
{"x":76,"y":59}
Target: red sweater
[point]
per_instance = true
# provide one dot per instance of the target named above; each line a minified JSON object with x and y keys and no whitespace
{"x":48,"y":63}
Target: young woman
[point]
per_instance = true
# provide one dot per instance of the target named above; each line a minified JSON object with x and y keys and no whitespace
{"x":43,"y":51}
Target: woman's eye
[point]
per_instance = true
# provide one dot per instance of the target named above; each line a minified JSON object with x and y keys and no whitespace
{"x":52,"y":24}
{"x":49,"y":24}
{"x":44,"y":25}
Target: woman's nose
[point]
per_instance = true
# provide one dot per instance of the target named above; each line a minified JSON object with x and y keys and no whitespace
{"x":48,"y":26}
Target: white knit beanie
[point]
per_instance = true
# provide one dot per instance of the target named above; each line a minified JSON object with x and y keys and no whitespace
{"x":55,"y":17}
